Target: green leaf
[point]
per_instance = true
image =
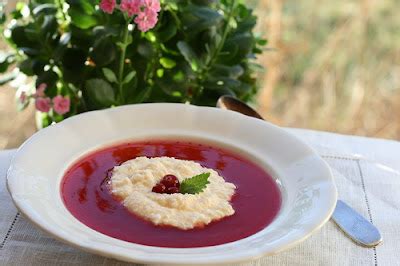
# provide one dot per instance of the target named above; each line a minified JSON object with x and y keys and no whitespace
{"x":80,"y":19}
{"x":100,"y":92}
{"x":20,"y":8}
{"x":65,"y":38}
{"x":167,"y":30}
{"x":198,"y":18}
{"x":160,"y":72}
{"x":143,"y":95}
{"x":62,"y":45}
{"x":87,"y":6}
{"x":49,"y":25}
{"x":8,"y":77}
{"x":129,"y":77}
{"x":32,"y":67}
{"x":169,"y":85}
{"x":121,"y":45}
{"x":167,"y":62}
{"x":229,"y":92}
{"x":129,"y":88}
{"x":81,"y":38}
{"x":104,"y":52}
{"x":168,"y":50}
{"x":50,"y":78}
{"x":256,"y":67}
{"x":173,"y":5}
{"x":104,"y":31}
{"x":189,"y":55}
{"x":32,"y":32}
{"x":150,"y":36}
{"x":195,"y":184}
{"x":20,"y":38}
{"x":45,"y":9}
{"x":109,"y":74}
{"x":247,"y":20}
{"x":74,"y":58}
{"x":216,"y":83}
{"x":3,"y":17}
{"x":203,"y":12}
{"x":29,"y":51}
{"x":26,"y":67}
{"x":262,"y":42}
{"x":179,"y":77}
{"x":145,"y":49}
{"x":129,"y":40}
{"x":38,"y":66}
{"x":237,"y":47}
{"x":5,"y":61}
{"x":73,"y":65}
{"x":46,"y":120}
{"x":229,"y":71}
{"x":203,"y":2}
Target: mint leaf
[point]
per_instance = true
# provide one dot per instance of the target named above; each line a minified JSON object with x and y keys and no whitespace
{"x":195,"y":184}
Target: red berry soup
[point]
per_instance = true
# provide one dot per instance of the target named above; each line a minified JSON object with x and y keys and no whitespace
{"x":87,"y":196}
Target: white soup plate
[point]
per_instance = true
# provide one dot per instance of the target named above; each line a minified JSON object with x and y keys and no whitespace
{"x":308,"y":190}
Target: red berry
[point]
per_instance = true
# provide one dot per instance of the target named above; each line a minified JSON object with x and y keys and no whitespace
{"x":170,"y":181}
{"x":172,"y":190}
{"x":159,"y":188}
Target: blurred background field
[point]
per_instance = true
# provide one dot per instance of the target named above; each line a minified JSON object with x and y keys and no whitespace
{"x":331,"y":65}
{"x":336,"y":66}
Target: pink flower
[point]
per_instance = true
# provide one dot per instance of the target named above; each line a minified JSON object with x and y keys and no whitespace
{"x":22,"y":97}
{"x":153,"y":5}
{"x":107,"y":6}
{"x":61,"y":104}
{"x":146,"y":20}
{"x":43,"y":104}
{"x":147,"y":17}
{"x":132,"y":7}
{"x":40,"y":90}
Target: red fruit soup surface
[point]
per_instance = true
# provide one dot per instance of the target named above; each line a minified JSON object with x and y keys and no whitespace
{"x":84,"y":189}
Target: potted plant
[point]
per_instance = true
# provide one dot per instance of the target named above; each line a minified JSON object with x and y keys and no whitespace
{"x":87,"y":55}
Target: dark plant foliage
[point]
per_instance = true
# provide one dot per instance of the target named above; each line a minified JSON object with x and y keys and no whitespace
{"x":198,"y":51}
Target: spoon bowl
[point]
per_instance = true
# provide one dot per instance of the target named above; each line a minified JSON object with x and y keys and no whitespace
{"x":233,"y":104}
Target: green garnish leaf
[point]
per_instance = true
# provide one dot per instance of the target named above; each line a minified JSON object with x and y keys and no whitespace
{"x":195,"y":184}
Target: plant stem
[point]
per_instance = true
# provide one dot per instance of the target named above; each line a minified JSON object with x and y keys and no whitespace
{"x":218,"y":49}
{"x":122,"y":61}
{"x":176,"y":18}
{"x":224,"y":35}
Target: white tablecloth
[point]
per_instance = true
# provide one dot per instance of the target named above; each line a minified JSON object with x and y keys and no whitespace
{"x":367,"y":173}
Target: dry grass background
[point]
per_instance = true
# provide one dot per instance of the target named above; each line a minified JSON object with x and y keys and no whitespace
{"x":336,"y":65}
{"x":333,"y":65}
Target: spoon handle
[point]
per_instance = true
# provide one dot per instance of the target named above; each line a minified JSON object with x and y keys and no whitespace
{"x":359,"y":229}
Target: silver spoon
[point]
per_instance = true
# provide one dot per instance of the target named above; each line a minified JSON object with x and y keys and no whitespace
{"x":355,"y":226}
